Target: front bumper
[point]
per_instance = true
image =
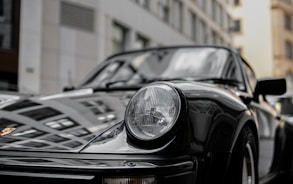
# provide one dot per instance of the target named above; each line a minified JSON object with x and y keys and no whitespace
{"x":91,"y":168}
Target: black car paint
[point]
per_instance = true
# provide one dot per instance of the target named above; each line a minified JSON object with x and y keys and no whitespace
{"x":205,"y":142}
{"x":75,"y":108}
{"x":201,"y":148}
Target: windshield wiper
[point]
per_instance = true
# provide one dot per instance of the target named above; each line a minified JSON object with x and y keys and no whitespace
{"x":144,"y":81}
{"x":108,"y":84}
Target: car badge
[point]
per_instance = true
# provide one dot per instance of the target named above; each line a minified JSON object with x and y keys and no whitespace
{"x":6,"y":131}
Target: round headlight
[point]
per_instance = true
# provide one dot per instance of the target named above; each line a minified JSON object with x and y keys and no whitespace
{"x":152,"y":111}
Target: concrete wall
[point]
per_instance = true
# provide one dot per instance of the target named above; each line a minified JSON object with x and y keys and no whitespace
{"x":30,"y":46}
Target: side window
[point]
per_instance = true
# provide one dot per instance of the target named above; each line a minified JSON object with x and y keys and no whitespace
{"x":250,"y":75}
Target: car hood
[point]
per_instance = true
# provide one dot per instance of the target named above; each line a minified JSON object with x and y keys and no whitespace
{"x":84,"y":121}
{"x":62,"y":122}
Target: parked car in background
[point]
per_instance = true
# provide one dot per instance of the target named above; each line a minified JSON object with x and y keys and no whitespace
{"x":283,"y":104}
{"x":286,"y":105}
{"x":182,"y":114}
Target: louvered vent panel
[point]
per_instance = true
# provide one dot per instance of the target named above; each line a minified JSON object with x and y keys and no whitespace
{"x":77,"y":17}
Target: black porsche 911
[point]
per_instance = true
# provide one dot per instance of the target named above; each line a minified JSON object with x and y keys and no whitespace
{"x":184,"y":114}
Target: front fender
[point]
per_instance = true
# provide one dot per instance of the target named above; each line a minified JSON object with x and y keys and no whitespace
{"x":214,"y":127}
{"x":215,"y":116}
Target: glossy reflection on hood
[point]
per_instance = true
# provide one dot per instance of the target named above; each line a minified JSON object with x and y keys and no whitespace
{"x":61,"y":123}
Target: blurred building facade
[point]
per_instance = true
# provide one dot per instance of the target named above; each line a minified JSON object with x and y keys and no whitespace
{"x":263,"y":33}
{"x":60,"y":41}
{"x":282,"y":15}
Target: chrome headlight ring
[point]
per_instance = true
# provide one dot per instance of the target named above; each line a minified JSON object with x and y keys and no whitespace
{"x":153,"y":112}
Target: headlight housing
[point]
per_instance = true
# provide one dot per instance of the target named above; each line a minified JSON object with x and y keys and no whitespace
{"x":152,"y":112}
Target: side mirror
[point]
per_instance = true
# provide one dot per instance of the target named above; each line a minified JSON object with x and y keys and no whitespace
{"x":272,"y":86}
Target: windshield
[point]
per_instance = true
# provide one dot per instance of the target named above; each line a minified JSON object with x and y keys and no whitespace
{"x":197,"y":63}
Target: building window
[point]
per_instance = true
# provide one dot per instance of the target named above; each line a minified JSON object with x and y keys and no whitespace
{"x":237,"y":25}
{"x":163,"y":10}
{"x":9,"y":24}
{"x":288,"y":22}
{"x":119,"y":38}
{"x":140,"y":42}
{"x":236,"y":2}
{"x":192,"y":25}
{"x":289,"y":50}
{"x":178,"y":18}
{"x":144,"y":3}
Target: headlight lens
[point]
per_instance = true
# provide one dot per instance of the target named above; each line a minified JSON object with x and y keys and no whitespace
{"x":152,"y":111}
